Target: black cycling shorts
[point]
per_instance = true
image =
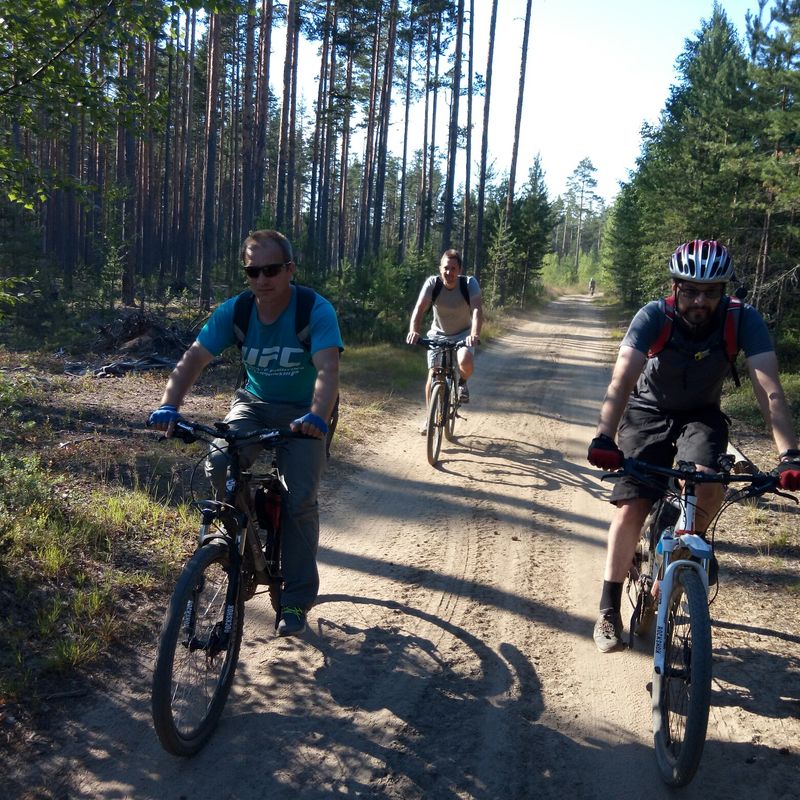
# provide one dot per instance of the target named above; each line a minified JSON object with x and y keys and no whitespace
{"x":664,"y":437}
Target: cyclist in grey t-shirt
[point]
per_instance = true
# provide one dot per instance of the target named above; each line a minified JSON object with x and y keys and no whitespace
{"x":667,"y":406}
{"x":456,"y":314}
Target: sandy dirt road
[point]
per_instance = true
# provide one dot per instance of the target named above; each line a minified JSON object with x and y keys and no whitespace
{"x":450,"y":654}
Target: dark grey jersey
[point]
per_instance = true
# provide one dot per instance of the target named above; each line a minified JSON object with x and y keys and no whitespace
{"x":688,"y":374}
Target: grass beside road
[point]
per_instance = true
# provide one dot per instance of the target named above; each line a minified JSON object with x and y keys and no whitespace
{"x":93,"y":524}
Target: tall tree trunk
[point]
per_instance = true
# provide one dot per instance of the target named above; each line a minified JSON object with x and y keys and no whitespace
{"x":484,"y":146}
{"x":452,"y":142}
{"x":401,"y":233}
{"x":126,"y":173}
{"x":383,"y":133}
{"x":431,"y":161}
{"x":369,"y":147}
{"x":503,"y":267}
{"x":423,"y":184}
{"x":248,"y":121}
{"x":518,"y":120}
{"x":291,"y":164}
{"x":343,"y":162}
{"x":319,"y":142}
{"x":325,"y":233}
{"x":283,"y":139}
{"x":262,"y":108}
{"x":468,"y":150}
{"x":168,"y":174}
{"x":210,"y":171}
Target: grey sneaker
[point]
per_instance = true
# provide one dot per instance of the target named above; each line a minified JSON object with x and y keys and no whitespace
{"x":608,"y":631}
{"x":463,"y":393}
{"x":293,"y":621}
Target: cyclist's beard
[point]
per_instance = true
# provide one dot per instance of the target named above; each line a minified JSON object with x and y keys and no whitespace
{"x":697,"y":322}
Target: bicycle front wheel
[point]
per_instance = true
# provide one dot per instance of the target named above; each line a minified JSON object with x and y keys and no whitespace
{"x":451,"y":405}
{"x":436,"y":420}
{"x":682,"y":695}
{"x":196,"y":659}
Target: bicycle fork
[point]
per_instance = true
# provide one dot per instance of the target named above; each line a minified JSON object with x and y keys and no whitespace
{"x":698,"y":559}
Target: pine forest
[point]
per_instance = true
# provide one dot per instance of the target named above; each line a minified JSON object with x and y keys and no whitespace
{"x":141,"y":141}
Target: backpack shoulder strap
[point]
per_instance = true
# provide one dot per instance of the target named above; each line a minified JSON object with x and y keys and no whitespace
{"x":667,"y":305}
{"x":306,"y":297}
{"x":733,"y":318}
{"x":730,"y":335}
{"x":464,"y":284}
{"x":242,"y":309}
{"x":437,"y":289}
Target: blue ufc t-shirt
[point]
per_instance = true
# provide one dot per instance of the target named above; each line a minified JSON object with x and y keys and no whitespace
{"x":279,"y":369}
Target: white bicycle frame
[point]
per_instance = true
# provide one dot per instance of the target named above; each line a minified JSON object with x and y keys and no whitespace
{"x":699,"y":548}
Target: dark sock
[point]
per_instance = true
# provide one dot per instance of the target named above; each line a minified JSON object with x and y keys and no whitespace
{"x":611,"y":597}
{"x":461,"y":382}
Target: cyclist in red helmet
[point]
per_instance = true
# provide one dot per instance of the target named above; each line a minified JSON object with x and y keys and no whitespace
{"x":663,"y":403}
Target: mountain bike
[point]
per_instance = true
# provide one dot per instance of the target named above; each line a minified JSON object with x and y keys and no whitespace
{"x":444,"y":401}
{"x":668,"y":582}
{"x":238,"y":550}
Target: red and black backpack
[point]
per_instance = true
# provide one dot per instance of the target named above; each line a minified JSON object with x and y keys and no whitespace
{"x":730,"y":331}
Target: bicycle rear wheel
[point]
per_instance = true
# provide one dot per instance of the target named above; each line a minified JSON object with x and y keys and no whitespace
{"x":436,"y":420}
{"x":451,"y":406}
{"x":645,"y":563}
{"x":682,"y":695}
{"x":196,"y":661}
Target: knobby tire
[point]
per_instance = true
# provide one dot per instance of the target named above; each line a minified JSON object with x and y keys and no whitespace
{"x":436,"y":421}
{"x":192,"y":676}
{"x":682,"y":695}
{"x":451,"y":404}
{"x":647,"y":565}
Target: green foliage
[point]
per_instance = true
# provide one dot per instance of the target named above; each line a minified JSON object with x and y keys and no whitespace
{"x":722,"y":163}
{"x":59,"y":613}
{"x":501,"y":266}
{"x":741,"y":403}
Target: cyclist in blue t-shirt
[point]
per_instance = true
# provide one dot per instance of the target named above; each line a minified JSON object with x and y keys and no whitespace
{"x":287,"y":385}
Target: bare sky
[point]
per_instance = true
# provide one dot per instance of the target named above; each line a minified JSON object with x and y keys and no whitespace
{"x":596,"y":72}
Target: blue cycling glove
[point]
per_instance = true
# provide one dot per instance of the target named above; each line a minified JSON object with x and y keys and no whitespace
{"x":163,"y":415}
{"x":314,"y":420}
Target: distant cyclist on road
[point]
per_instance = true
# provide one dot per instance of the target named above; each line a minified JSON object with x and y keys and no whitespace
{"x":667,"y":405}
{"x":457,"y":314}
{"x":291,"y":382}
{"x":591,"y":286}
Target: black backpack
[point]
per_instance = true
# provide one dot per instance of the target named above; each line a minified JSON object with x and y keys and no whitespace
{"x":306,"y":297}
{"x":439,"y":285}
{"x":243,"y":308}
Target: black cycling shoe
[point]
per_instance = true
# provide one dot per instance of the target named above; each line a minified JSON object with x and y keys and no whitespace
{"x":292,"y":622}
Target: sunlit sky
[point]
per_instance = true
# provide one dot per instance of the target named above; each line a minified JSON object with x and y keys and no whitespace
{"x":596,"y":72}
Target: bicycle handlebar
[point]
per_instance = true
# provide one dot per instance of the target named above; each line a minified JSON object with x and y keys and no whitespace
{"x":440,"y":341}
{"x":189,"y":432}
{"x":760,"y":482}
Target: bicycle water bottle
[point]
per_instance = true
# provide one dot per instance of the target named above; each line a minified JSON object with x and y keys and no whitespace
{"x":665,"y":534}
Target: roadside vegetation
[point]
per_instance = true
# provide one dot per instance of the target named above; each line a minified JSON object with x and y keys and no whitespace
{"x":95,"y":517}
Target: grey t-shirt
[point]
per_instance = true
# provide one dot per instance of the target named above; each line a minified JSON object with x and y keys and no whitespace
{"x":687,"y":373}
{"x":451,"y":314}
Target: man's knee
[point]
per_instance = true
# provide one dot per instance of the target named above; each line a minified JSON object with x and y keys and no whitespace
{"x":216,"y":468}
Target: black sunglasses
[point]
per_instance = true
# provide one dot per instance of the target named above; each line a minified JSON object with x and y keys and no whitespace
{"x":270,"y":270}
